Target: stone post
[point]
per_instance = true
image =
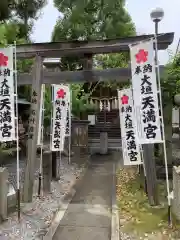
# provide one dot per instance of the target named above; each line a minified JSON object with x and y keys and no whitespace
{"x":33,"y":130}
{"x":151,"y":179}
{"x":47,"y":171}
{"x":55,"y":166}
{"x":176,"y":192}
{"x":103,"y":143}
{"x":3,"y":193}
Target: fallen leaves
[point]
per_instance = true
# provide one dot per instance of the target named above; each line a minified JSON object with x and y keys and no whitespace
{"x":136,"y":216}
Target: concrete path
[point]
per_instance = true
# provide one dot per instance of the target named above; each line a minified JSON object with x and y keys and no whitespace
{"x":89,"y":214}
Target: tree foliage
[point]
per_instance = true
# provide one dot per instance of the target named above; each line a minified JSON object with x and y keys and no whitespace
{"x":92,"y":20}
{"x":17,"y":17}
{"x":170,"y":81}
{"x":6,"y":7}
{"x":22,"y":13}
{"x":27,"y":11}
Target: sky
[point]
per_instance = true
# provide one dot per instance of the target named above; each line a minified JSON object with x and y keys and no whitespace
{"x":140,"y":13}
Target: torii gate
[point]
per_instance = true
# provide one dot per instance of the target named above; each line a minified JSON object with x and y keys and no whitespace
{"x":84,"y":49}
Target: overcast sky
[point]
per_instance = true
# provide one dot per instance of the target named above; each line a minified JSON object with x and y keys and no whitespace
{"x":139,"y":11}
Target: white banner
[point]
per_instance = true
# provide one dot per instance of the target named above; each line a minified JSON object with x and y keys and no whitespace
{"x":68,"y":118}
{"x":7,"y":97}
{"x":145,"y":93}
{"x":59,"y":121}
{"x":130,"y":147}
{"x":39,"y":142}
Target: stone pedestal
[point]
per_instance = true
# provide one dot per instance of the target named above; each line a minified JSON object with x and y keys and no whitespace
{"x":103,"y":143}
{"x":176,"y":192}
{"x":47,"y":171}
{"x":3,"y":193}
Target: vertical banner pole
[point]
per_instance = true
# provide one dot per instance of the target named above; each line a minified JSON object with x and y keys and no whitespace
{"x":141,"y":149}
{"x":163,"y":133}
{"x":144,"y":169}
{"x":17,"y":137}
{"x":52,"y":102}
{"x":69,"y":142}
{"x":41,"y":126}
{"x":60,"y":158}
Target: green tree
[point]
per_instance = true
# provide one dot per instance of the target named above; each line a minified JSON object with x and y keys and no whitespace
{"x":6,"y":7}
{"x":170,"y":85}
{"x":92,"y":19}
{"x":22,"y":12}
{"x":88,"y":20}
{"x":27,"y":11}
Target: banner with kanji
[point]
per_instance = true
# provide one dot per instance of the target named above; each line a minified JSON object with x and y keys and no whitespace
{"x":7,"y":96}
{"x":130,"y":146}
{"x":61,"y":102}
{"x":68,"y":118}
{"x":145,"y":93}
{"x":39,"y":141}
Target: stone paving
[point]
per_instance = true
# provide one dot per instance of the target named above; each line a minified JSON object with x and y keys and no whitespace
{"x":37,"y":216}
{"x":89,"y":213}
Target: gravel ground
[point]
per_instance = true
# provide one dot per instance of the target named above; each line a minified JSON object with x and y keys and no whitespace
{"x":11,"y":166}
{"x":37,"y":216}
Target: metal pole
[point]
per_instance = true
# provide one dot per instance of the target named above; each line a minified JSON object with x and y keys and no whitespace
{"x":52,"y":102}
{"x":162,"y":123}
{"x":17,"y":138}
{"x":69,"y":142}
{"x":144,"y":169}
{"x":60,"y":160}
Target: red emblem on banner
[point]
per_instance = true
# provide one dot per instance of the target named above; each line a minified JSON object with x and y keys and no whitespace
{"x":3,"y":60}
{"x":141,"y":56}
{"x":61,"y":93}
{"x":124,"y":99}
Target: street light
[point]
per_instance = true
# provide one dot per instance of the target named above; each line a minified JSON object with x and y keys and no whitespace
{"x":157,"y":15}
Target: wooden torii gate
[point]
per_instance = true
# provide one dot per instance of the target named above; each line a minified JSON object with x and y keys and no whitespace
{"x":85,"y":50}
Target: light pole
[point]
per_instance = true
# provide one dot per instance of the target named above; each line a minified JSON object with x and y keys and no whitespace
{"x":157,"y":15}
